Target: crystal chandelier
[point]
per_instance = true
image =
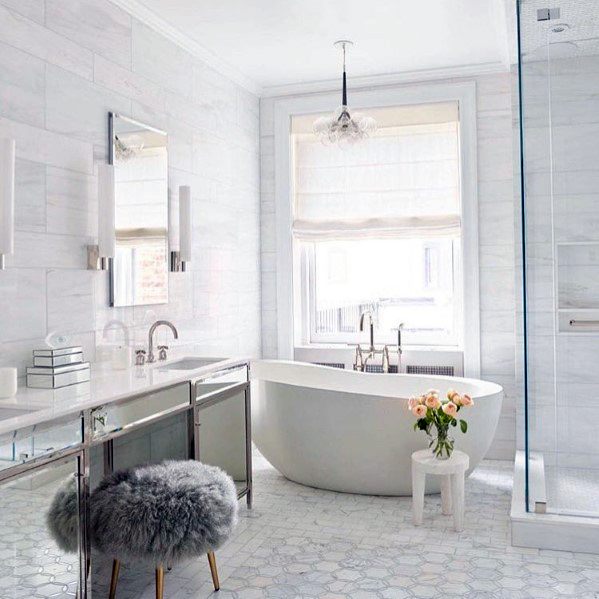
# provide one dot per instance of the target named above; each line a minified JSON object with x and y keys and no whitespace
{"x":341,"y":127}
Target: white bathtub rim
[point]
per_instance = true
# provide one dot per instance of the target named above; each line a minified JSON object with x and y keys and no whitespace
{"x":303,"y":374}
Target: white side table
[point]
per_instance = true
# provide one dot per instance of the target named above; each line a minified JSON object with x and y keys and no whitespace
{"x":452,"y":472}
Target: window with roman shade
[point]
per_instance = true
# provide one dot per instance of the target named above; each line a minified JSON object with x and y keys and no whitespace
{"x":378,"y":225}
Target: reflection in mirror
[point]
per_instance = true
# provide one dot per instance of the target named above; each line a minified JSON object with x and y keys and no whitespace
{"x":39,"y":519}
{"x":139,"y":273}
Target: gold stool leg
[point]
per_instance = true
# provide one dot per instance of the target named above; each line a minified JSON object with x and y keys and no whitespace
{"x":213,"y":570}
{"x":159,"y":582}
{"x":116,"y":567}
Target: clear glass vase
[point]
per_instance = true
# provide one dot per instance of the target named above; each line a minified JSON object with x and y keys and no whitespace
{"x":441,"y":442}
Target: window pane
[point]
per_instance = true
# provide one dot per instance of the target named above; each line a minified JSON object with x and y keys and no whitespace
{"x":408,"y":281}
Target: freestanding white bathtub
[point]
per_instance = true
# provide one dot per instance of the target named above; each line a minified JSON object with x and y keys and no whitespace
{"x":352,"y":431}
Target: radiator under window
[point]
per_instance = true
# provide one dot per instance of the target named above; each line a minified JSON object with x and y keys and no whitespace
{"x":433,"y":370}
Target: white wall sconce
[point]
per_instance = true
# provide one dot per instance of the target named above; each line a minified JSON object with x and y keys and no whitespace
{"x":7,"y":199}
{"x":98,"y":256}
{"x":180,"y":258}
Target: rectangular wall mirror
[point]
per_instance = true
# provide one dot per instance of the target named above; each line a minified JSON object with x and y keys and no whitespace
{"x":139,"y":270}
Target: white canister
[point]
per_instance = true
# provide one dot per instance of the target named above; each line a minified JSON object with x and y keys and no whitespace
{"x":8,"y":382}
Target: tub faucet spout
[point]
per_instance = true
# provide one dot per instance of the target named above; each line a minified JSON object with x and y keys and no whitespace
{"x":368,"y":313}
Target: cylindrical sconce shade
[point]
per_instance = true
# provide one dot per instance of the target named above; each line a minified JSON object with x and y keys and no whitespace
{"x":7,"y":196}
{"x":106,"y":208}
{"x":185,"y":223}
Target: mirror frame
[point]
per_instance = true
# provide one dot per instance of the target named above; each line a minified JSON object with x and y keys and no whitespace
{"x":112,"y":116}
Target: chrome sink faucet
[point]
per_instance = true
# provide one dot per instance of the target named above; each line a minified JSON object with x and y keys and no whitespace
{"x":162,"y":348}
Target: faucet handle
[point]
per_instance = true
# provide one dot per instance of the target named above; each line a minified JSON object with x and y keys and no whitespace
{"x":162,"y":352}
{"x":140,"y":357}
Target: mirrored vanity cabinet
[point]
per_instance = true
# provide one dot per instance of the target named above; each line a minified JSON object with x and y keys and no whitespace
{"x":203,"y":415}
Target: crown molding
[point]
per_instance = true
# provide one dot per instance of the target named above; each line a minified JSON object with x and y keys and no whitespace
{"x":152,"y":20}
{"x":389,"y":79}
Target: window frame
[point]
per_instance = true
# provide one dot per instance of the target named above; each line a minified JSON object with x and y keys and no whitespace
{"x":288,"y":259}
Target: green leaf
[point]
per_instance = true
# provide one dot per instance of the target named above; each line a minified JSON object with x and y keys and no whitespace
{"x":454,"y":423}
{"x":422,"y":424}
{"x":463,"y":425}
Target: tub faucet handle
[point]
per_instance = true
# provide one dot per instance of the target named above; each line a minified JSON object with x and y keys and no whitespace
{"x":162,"y":352}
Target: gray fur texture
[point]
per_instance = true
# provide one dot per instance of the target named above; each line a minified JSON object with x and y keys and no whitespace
{"x":163,"y":513}
{"x":62,"y":517}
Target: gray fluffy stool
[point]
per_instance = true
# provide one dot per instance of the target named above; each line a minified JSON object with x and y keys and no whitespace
{"x":162,"y":514}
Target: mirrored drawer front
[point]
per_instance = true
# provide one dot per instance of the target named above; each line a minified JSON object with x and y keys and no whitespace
{"x":221,"y":381}
{"x":39,"y":441}
{"x":139,"y":410}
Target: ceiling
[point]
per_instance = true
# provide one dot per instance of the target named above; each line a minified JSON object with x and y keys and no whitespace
{"x":575,"y":33}
{"x":282,"y":42}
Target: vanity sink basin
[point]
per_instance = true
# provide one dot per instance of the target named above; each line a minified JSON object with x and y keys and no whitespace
{"x":190,"y":363}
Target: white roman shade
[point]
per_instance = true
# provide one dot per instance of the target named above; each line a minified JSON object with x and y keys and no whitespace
{"x":402,"y":182}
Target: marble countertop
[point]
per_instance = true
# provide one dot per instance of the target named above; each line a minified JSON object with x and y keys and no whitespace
{"x":35,"y":406}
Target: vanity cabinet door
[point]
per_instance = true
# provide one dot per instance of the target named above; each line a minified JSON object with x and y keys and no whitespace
{"x":33,"y":563}
{"x":163,"y":440}
{"x":223,"y":433}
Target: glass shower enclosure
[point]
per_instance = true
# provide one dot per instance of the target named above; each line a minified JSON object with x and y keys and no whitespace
{"x":559,"y":258}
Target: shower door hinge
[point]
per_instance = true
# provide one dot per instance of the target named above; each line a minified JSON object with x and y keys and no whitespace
{"x":547,"y":14}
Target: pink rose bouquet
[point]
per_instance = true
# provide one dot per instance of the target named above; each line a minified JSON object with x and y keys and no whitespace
{"x":435,"y":416}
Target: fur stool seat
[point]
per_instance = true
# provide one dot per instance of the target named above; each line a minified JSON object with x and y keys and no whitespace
{"x":162,"y":514}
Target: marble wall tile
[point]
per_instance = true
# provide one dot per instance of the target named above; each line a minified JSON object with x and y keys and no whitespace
{"x":495,"y":159}
{"x":30,"y":196}
{"x":267,"y":117}
{"x":79,"y":108}
{"x":42,"y":250}
{"x":71,"y":207}
{"x":496,"y":256}
{"x":22,"y":304}
{"x":27,"y":35}
{"x":39,"y":145}
{"x":131,"y":85}
{"x":496,"y":223}
{"x":22,"y":79}
{"x":180,"y":147}
{"x":497,"y":353}
{"x":497,"y":321}
{"x":32,"y":9}
{"x":98,"y":25}
{"x":71,"y":306}
{"x":214,"y":93}
{"x":576,"y":217}
{"x":161,"y":61}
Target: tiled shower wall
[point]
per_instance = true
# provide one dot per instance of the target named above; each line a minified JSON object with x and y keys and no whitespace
{"x":63,"y":65}
{"x":496,"y":254}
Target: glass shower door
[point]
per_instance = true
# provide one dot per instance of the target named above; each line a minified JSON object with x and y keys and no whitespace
{"x":559,"y":70}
